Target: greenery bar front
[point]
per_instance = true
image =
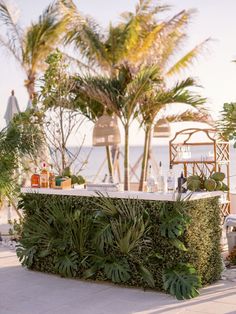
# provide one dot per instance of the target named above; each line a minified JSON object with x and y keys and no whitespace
{"x":162,"y":241}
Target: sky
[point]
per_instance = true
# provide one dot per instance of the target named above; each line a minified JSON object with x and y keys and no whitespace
{"x":214,"y":69}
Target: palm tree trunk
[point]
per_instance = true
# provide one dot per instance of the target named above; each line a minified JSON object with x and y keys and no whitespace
{"x":145,"y":158}
{"x":126,"y":159}
{"x":30,"y":86}
{"x":109,"y":163}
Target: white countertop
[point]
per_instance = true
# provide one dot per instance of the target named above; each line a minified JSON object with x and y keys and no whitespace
{"x":124,"y":194}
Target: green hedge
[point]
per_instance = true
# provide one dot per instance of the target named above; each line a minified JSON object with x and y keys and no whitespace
{"x":138,"y":243}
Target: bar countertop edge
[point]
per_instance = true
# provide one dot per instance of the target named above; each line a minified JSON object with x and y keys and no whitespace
{"x":164,"y":196}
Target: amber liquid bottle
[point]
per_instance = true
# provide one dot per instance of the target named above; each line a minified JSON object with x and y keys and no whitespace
{"x":44,"y":177}
{"x":51,"y":178}
{"x":35,"y":179}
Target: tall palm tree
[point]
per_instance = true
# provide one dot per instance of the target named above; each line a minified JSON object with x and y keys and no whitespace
{"x":121,"y":95}
{"x":31,"y":46}
{"x":179,"y":94}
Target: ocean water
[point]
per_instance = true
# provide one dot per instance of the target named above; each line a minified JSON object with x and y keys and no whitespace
{"x":97,"y":160}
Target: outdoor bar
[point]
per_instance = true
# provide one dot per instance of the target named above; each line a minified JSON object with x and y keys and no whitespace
{"x":127,"y":237}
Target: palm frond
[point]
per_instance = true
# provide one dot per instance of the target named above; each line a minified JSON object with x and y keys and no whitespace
{"x":87,"y":38}
{"x":188,"y":58}
{"x":139,"y":86}
{"x":14,"y":40}
{"x":42,"y":36}
{"x":8,"y":17}
{"x":179,"y":94}
{"x":189,"y":115}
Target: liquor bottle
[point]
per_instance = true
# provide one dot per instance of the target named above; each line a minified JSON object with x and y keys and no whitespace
{"x":150,"y":181}
{"x":160,"y":179}
{"x":35,"y":179}
{"x":170,"y":180}
{"x":51,"y":178}
{"x":44,"y":177}
{"x":181,"y":182}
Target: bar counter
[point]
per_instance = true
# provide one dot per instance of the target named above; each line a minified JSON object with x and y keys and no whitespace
{"x":165,"y":196}
{"x":127,"y":237}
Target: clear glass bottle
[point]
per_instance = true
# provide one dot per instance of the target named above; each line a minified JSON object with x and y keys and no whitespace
{"x":170,"y":180}
{"x":44,"y":177}
{"x":35,"y":179}
{"x":150,"y":181}
{"x":160,"y":180}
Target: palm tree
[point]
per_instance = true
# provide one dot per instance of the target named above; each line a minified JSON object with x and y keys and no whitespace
{"x":139,"y":39}
{"x":178,"y":94}
{"x":121,"y":95}
{"x":31,"y":46}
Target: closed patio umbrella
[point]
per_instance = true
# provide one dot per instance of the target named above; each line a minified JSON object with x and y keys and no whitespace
{"x":12,"y":108}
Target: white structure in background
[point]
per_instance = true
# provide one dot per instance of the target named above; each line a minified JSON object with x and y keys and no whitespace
{"x":12,"y":108}
{"x":29,"y":104}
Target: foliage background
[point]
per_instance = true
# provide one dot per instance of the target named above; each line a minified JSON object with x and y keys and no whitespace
{"x":71,"y":236}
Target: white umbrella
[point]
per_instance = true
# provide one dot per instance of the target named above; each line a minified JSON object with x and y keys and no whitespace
{"x":12,"y":108}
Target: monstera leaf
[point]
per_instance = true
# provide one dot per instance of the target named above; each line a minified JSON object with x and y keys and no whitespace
{"x":182,"y":281}
{"x":67,"y":264}
{"x":172,"y":227}
{"x":117,"y":271}
{"x":26,"y":256}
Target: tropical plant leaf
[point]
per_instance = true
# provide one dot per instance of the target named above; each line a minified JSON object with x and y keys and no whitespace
{"x":90,"y":271}
{"x":117,"y":270}
{"x":173,"y":222}
{"x":103,"y":236}
{"x":67,"y":264}
{"x":182,"y":281}
{"x":178,"y":244}
{"x":128,"y":235}
{"x":147,"y":276}
{"x":26,"y":256}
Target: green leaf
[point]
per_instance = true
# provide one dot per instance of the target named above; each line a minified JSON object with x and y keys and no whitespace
{"x":172,"y":227}
{"x":182,"y":281}
{"x":155,"y":256}
{"x":147,"y":276}
{"x":90,"y":272}
{"x":26,"y":256}
{"x":117,"y":271}
{"x":67,"y":264}
{"x":178,"y":244}
{"x":44,"y":253}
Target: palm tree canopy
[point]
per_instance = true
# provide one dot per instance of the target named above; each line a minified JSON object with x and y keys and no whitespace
{"x":31,"y":46}
{"x":120,"y":94}
{"x":141,"y":38}
{"x":41,"y":37}
{"x":178,"y":94}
